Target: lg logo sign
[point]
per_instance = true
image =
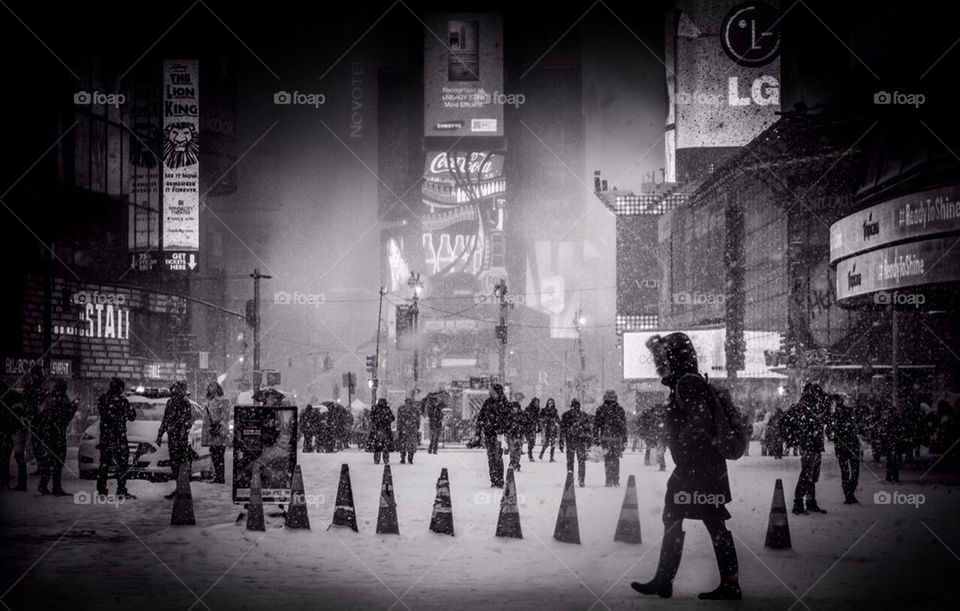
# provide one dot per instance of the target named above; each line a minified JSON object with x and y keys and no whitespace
{"x":765,"y":91}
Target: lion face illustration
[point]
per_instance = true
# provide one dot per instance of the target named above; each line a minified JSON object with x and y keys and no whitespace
{"x":181,"y":145}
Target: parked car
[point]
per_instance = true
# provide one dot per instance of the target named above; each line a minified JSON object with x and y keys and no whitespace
{"x":147,"y":461}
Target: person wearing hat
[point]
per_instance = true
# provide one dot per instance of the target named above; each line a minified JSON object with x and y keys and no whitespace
{"x":176,"y":423}
{"x":216,"y":428}
{"x":490,"y":424}
{"x":575,"y":435}
{"x":610,"y":431}
{"x":698,"y":488}
{"x":52,"y":420}
{"x":381,"y":435}
{"x":115,"y":412}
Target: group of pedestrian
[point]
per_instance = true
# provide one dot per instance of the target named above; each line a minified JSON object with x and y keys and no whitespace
{"x":327,"y":427}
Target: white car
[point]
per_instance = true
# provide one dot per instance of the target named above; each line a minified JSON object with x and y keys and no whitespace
{"x":147,"y":461}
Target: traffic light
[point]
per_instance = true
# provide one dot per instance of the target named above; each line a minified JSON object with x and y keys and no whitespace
{"x":250,"y":313}
{"x":372,"y":364}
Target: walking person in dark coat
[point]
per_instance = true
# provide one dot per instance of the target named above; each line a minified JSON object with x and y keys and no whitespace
{"x":514,"y":429}
{"x":52,"y":420}
{"x":34,"y":394}
{"x":610,"y":431}
{"x":115,"y":412}
{"x":408,"y":430}
{"x":805,"y":424}
{"x":309,"y":422}
{"x":698,"y":488}
{"x":435,"y":407}
{"x":216,"y":429}
{"x":381,"y":435}
{"x":773,"y":436}
{"x":531,"y":417}
{"x":176,"y":423}
{"x":550,"y":424}
{"x":844,"y":430}
{"x":576,"y":435}
{"x":488,"y":427}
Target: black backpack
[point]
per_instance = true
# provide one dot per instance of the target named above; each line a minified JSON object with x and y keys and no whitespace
{"x":731,"y":430}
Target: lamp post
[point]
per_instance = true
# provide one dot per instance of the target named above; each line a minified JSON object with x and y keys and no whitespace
{"x":416,"y":286}
{"x":580,"y":322}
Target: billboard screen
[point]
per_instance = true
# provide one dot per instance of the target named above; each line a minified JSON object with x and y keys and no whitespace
{"x":638,"y":363}
{"x":463,"y":75}
{"x":893,"y":268}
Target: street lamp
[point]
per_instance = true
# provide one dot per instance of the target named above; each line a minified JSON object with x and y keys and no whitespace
{"x":580,"y":322}
{"x":416,"y":286}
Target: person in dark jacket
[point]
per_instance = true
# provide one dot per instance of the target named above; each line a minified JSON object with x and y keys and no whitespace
{"x":408,"y":430}
{"x":308,"y":427}
{"x":610,"y":431}
{"x":550,"y":424}
{"x":176,"y":423}
{"x":435,"y":406}
{"x":531,"y":417}
{"x":13,"y":437}
{"x":381,"y":435}
{"x":52,"y":420}
{"x":844,"y":430}
{"x":805,"y":424}
{"x":892,"y":441}
{"x":773,"y":437}
{"x":698,"y":488}
{"x":488,"y":427}
{"x":576,"y":435}
{"x":216,"y":429}
{"x":115,"y":412}
{"x":514,"y":429}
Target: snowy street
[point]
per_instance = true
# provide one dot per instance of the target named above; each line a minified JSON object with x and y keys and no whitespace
{"x":866,"y":556}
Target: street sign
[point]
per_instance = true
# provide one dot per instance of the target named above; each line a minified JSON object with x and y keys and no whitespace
{"x":175,"y":261}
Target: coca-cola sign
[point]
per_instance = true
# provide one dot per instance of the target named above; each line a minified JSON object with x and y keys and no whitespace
{"x":475,"y":165}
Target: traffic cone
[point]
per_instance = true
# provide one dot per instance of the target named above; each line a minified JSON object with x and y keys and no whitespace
{"x":442,"y":519}
{"x":345,"y":514}
{"x":568,"y":528}
{"x":387,"y":518}
{"x":297,"y":516}
{"x":778,"y":530}
{"x":183,"y":500}
{"x":508,"y":524}
{"x":255,"y":519}
{"x":628,"y":526}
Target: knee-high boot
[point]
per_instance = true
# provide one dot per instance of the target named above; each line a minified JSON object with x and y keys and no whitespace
{"x":671,"y":549}
{"x":726,"y":552}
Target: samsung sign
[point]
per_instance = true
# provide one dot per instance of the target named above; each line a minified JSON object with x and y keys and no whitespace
{"x":904,"y":219}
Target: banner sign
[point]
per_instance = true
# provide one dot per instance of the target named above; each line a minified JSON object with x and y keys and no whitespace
{"x":901,"y":219}
{"x":180,"y":153}
{"x":268,"y":436}
{"x":908,"y":265}
{"x":463,"y":75}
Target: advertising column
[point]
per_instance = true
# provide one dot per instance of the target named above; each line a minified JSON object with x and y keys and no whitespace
{"x":181,"y":165}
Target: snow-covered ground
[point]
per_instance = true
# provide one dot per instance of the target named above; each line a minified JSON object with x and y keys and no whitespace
{"x":56,"y":553}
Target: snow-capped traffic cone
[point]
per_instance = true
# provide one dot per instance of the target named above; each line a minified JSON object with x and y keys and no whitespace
{"x":297,"y":516}
{"x":387,"y":518}
{"x":508,"y":524}
{"x":255,"y":519}
{"x":567,"y":529}
{"x":442,"y":519}
{"x":345,"y":514}
{"x":183,"y":500}
{"x":778,"y":530}
{"x":628,"y":526}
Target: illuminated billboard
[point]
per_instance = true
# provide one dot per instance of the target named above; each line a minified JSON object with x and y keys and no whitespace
{"x":180,"y":153}
{"x":463,"y":75}
{"x":711,"y":357}
{"x":894,"y":268}
{"x":456,"y":239}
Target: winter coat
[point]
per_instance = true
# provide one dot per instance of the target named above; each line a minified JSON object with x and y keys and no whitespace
{"x":804,"y":423}
{"x":489,"y":419}
{"x":53,"y":418}
{"x":381,"y":435}
{"x":309,"y":422}
{"x":610,"y":426}
{"x":435,"y":406}
{"x":408,"y":427}
{"x":772,"y":436}
{"x":549,"y":420}
{"x":115,"y":412}
{"x":176,"y":423}
{"x":843,"y":428}
{"x":216,"y":423}
{"x":575,"y":427}
{"x":531,"y":416}
{"x":514,"y":421}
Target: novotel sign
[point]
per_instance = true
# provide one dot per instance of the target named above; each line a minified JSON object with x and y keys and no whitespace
{"x":904,"y":219}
